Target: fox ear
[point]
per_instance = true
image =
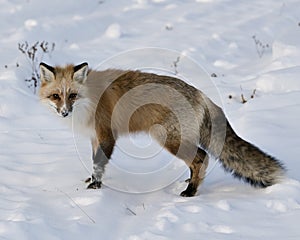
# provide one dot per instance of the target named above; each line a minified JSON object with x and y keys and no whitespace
{"x":47,"y":72}
{"x":80,"y":73}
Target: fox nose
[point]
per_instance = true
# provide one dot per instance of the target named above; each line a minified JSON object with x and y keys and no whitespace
{"x":64,"y":113}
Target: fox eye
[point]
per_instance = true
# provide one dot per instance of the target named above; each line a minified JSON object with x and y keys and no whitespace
{"x":55,"y":96}
{"x":72,"y":96}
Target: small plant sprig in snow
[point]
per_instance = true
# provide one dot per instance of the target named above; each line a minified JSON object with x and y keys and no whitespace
{"x":243,"y":99}
{"x":175,"y":65}
{"x":260,"y":47}
{"x":34,"y":54}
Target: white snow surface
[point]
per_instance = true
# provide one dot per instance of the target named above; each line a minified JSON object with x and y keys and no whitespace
{"x":247,"y":45}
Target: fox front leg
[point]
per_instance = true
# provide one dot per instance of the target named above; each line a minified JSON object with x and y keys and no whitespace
{"x":101,"y":156}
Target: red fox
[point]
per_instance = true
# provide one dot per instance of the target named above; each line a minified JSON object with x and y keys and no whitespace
{"x":106,"y":104}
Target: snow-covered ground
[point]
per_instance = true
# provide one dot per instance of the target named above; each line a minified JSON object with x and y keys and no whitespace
{"x":245,"y":45}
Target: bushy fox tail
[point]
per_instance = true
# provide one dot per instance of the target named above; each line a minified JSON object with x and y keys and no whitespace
{"x":247,"y":162}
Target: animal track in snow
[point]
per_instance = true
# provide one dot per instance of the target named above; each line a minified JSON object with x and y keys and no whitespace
{"x":191,"y":209}
{"x":276,"y":206}
{"x":223,"y":205}
{"x":165,"y":220}
{"x":189,"y":227}
{"x":85,"y":201}
{"x":222,"y":229}
{"x":282,"y":206}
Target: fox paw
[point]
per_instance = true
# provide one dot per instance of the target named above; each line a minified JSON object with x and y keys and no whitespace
{"x":95,"y":184}
{"x":189,"y":192}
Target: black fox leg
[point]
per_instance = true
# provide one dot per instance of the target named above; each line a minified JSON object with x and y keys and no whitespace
{"x":101,"y":157}
{"x":197,"y":169}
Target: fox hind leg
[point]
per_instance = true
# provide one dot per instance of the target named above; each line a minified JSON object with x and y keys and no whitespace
{"x":197,"y":169}
{"x":186,"y":150}
{"x":197,"y":163}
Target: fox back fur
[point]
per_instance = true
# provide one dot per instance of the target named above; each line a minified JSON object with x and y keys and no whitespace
{"x":107,"y":104}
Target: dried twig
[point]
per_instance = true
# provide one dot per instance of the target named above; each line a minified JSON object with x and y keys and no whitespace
{"x":260,"y":47}
{"x":84,"y":212}
{"x":253,"y":93}
{"x":129,"y":210}
{"x":34,"y":54}
{"x":243,"y":99}
{"x":175,"y":64}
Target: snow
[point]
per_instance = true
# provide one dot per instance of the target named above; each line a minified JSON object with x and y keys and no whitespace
{"x":247,"y":45}
{"x":113,"y":31}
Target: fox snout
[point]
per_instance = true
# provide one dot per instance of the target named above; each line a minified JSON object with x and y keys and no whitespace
{"x":61,"y":107}
{"x":64,"y":112}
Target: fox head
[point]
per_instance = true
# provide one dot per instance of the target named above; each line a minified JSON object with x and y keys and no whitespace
{"x":62,"y":87}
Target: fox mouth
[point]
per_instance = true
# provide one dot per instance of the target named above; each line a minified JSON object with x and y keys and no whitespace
{"x":64,"y":113}
{"x":60,"y":112}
